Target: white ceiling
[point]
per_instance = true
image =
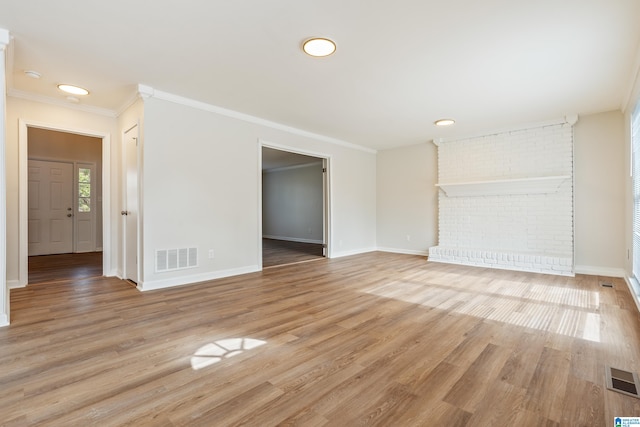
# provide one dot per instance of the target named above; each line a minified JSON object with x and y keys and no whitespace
{"x":398,"y":67}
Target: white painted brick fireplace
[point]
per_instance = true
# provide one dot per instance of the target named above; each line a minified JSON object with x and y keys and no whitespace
{"x":506,"y":199}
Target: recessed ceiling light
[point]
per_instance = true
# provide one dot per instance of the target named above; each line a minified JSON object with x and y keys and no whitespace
{"x":32,"y":74}
{"x":75,"y":90}
{"x":444,"y":122}
{"x":318,"y":46}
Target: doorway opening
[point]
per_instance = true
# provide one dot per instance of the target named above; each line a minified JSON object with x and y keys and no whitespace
{"x":64,"y":205}
{"x":294,"y":218}
{"x":90,"y":212}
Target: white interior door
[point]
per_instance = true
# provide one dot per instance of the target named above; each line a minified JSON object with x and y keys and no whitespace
{"x":51,"y":212}
{"x":130,"y":210}
{"x":325,"y":209}
{"x":85,"y":215}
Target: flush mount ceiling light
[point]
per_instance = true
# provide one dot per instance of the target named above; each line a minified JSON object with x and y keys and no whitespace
{"x":444,"y":122}
{"x":319,"y":46}
{"x":74,"y":90}
{"x":32,"y":74}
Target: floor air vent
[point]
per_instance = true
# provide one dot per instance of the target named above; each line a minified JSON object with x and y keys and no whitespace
{"x":176,"y":259}
{"x":624,"y":382}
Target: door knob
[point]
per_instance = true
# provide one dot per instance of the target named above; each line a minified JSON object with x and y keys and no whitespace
{"x":124,"y":213}
{"x":69,"y":215}
{"x":69,"y":209}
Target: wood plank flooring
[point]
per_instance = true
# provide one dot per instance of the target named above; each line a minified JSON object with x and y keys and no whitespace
{"x":62,"y":267}
{"x":281,"y":252}
{"x":374,"y":339}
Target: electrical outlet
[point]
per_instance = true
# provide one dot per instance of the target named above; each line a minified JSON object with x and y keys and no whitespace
{"x":211,"y":254}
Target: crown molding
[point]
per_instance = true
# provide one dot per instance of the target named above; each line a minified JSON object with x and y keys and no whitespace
{"x":149,"y":92}
{"x":135,"y":95}
{"x":571,"y":119}
{"x":15,"y":93}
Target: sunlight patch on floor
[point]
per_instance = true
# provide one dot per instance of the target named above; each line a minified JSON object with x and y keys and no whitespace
{"x":565,"y":311}
{"x":217,"y":351}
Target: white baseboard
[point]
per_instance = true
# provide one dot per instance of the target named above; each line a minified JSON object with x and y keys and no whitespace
{"x":405,"y":251}
{"x":293,"y":239}
{"x":340,"y":254}
{"x":600,"y":271}
{"x":502,"y":267}
{"x":4,"y":320}
{"x":99,"y":249}
{"x":196,"y":278}
{"x":629,"y":281}
{"x":14,"y":284}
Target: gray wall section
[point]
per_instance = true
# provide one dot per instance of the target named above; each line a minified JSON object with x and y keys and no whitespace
{"x":292,"y":203}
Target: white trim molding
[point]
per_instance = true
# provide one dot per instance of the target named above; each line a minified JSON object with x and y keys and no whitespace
{"x":149,"y":92}
{"x":14,"y":284}
{"x":632,"y":284}
{"x":5,"y":300}
{"x":195,"y":278}
{"x":424,"y":253}
{"x":571,"y":119}
{"x":23,"y":251}
{"x":342,"y":254}
{"x":15,"y":93}
{"x":600,"y":271}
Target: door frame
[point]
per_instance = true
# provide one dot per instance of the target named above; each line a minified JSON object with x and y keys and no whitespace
{"x":23,"y":196}
{"x":327,"y":213}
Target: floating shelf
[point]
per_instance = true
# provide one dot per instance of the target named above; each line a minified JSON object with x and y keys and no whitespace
{"x":537,"y":185}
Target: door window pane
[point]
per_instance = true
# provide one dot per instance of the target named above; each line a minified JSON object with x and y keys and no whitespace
{"x":84,"y":190}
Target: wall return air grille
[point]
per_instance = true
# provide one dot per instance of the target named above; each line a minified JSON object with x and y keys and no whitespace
{"x":176,"y":259}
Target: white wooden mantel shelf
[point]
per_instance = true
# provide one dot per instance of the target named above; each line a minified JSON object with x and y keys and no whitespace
{"x":536,"y":185}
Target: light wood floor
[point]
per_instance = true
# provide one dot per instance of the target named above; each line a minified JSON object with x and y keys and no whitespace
{"x":374,"y":339}
{"x":281,"y":252}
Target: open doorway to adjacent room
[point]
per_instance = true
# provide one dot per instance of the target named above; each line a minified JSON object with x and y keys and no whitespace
{"x":64,"y":172}
{"x":294,"y":207}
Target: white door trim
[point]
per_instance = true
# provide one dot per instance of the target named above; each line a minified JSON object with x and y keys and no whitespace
{"x":23,"y":205}
{"x":328,"y":205}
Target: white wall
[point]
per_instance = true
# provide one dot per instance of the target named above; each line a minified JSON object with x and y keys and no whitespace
{"x":201,"y":188}
{"x":292,"y":203}
{"x":56,"y":117}
{"x":407,"y":199}
{"x":600,"y":174}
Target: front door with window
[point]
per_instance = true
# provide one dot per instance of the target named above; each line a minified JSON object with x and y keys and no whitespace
{"x":50,"y":207}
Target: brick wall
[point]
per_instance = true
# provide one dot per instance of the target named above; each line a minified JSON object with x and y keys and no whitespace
{"x":531,"y":231}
